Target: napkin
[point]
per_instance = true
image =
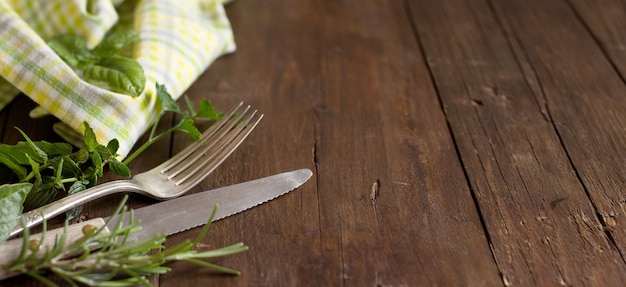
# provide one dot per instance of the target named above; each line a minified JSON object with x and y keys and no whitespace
{"x":177,"y":41}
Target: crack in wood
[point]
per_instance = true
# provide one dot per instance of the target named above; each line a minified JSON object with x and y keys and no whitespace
{"x":375,"y":191}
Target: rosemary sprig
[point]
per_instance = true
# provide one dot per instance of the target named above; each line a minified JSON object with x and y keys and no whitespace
{"x":116,"y":262}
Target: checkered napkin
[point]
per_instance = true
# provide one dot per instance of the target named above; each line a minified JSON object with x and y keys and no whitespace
{"x":177,"y":41}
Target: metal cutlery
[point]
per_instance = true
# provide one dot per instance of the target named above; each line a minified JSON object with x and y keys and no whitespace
{"x":173,"y":177}
{"x":174,"y":215}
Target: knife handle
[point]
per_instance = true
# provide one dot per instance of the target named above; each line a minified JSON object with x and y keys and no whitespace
{"x":10,"y":250}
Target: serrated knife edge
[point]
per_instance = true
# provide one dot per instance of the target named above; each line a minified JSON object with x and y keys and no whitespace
{"x":190,"y":211}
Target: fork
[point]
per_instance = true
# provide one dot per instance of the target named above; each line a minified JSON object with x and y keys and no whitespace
{"x":173,"y":177}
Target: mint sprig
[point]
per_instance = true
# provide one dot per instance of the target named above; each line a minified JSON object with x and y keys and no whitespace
{"x":50,"y":167}
{"x":56,"y":169}
{"x":186,"y":124}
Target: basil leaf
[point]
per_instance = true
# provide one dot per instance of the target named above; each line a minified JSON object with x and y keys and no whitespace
{"x":114,"y":43}
{"x":17,"y":153}
{"x":39,"y":155}
{"x":54,"y":149}
{"x":120,"y":74}
{"x":19,"y":170}
{"x":12,"y":198}
{"x":72,"y":49}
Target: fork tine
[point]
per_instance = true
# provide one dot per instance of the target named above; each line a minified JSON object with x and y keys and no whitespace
{"x":201,"y":168}
{"x":210,"y":132}
{"x":208,"y":146}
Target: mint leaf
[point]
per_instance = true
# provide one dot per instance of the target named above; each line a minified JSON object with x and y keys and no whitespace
{"x":104,"y":152}
{"x":81,"y":156}
{"x":90,"y":138}
{"x":206,"y":110}
{"x":187,"y":126}
{"x":76,"y":187}
{"x":119,"y":168}
{"x":114,"y":43}
{"x":69,"y":168}
{"x":90,"y":176}
{"x":168,"y":104}
{"x":113,"y":146}
{"x":119,"y":74}
{"x":12,"y":198}
{"x":40,"y":195}
{"x":96,"y":160}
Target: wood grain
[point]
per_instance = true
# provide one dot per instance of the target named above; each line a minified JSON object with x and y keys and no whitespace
{"x":584,"y":96}
{"x":453,"y":143}
{"x":348,"y":94}
{"x":589,"y":96}
{"x":605,"y":22}
{"x":542,"y":224}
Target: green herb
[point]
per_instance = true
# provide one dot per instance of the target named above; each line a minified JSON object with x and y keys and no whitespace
{"x":12,"y":197}
{"x":187,"y":119}
{"x":51,"y":168}
{"x":114,"y":264}
{"x":100,"y":65}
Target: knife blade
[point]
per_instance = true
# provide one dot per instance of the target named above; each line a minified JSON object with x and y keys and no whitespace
{"x":179,"y":214}
{"x":194,"y":210}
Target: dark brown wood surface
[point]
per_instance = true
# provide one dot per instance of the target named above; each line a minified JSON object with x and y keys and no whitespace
{"x":453,"y":143}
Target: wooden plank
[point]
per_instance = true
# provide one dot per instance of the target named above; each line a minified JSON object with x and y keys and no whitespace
{"x":584,"y":96}
{"x":345,"y":92}
{"x":542,"y":225}
{"x":598,"y":152}
{"x":606,"y":20}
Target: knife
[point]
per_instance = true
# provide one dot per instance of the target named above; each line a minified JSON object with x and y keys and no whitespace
{"x":176,"y":215}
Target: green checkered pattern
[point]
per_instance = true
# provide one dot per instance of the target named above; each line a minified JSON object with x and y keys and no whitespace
{"x":178,"y":40}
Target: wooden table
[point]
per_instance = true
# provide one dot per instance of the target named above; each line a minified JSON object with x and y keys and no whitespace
{"x":453,"y":143}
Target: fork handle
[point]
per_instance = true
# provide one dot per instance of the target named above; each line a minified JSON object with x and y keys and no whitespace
{"x":36,"y":216}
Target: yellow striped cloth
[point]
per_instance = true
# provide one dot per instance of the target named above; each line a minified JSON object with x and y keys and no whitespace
{"x":177,"y":41}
